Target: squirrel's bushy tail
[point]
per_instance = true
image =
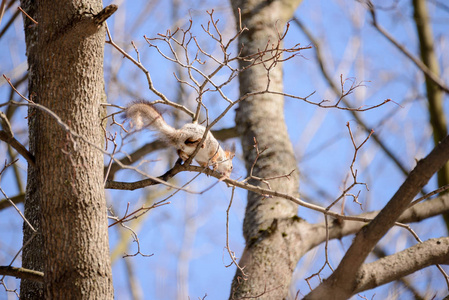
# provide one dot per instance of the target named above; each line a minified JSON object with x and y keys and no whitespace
{"x":142,"y":114}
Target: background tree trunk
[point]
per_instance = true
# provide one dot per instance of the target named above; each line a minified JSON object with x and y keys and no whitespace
{"x":435,"y":95}
{"x":268,"y":258}
{"x":65,"y":198}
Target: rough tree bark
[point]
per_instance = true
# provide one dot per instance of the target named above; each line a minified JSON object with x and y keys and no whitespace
{"x":65,"y":198}
{"x":268,"y":256}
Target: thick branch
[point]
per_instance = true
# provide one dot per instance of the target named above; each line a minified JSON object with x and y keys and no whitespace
{"x":104,"y":14}
{"x":408,"y":283}
{"x":225,"y":133}
{"x":341,"y":284}
{"x":392,"y":267}
{"x":22,"y":273}
{"x":131,"y":186}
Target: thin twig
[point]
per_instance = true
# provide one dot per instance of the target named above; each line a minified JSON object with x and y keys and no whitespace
{"x":28,"y":16}
{"x":232,"y":253}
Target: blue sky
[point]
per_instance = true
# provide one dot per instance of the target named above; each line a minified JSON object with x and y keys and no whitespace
{"x":188,"y":236}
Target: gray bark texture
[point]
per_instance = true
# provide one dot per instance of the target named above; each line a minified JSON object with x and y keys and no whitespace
{"x":65,"y":198}
{"x":268,"y":258}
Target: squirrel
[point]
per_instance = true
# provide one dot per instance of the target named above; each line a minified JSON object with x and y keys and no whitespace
{"x":185,"y":139}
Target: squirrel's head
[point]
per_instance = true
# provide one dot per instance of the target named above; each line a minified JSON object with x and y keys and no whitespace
{"x":225,"y":166}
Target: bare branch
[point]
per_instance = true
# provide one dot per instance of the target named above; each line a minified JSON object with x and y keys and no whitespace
{"x":147,"y":74}
{"x":341,"y":227}
{"x":129,"y":216}
{"x":18,"y":147}
{"x":322,"y":64}
{"x":7,"y":135}
{"x":230,"y":252}
{"x":368,"y":237}
{"x":437,"y":80}
{"x":22,"y":273}
{"x":27,"y":15}
{"x":104,"y":14}
{"x":400,"y":264}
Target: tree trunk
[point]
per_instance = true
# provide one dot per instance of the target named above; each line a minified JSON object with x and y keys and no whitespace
{"x":65,"y":198}
{"x":434,"y":93}
{"x":268,"y":258}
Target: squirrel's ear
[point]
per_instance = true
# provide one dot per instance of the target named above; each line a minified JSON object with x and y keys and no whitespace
{"x":232,"y":148}
{"x":230,"y":153}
